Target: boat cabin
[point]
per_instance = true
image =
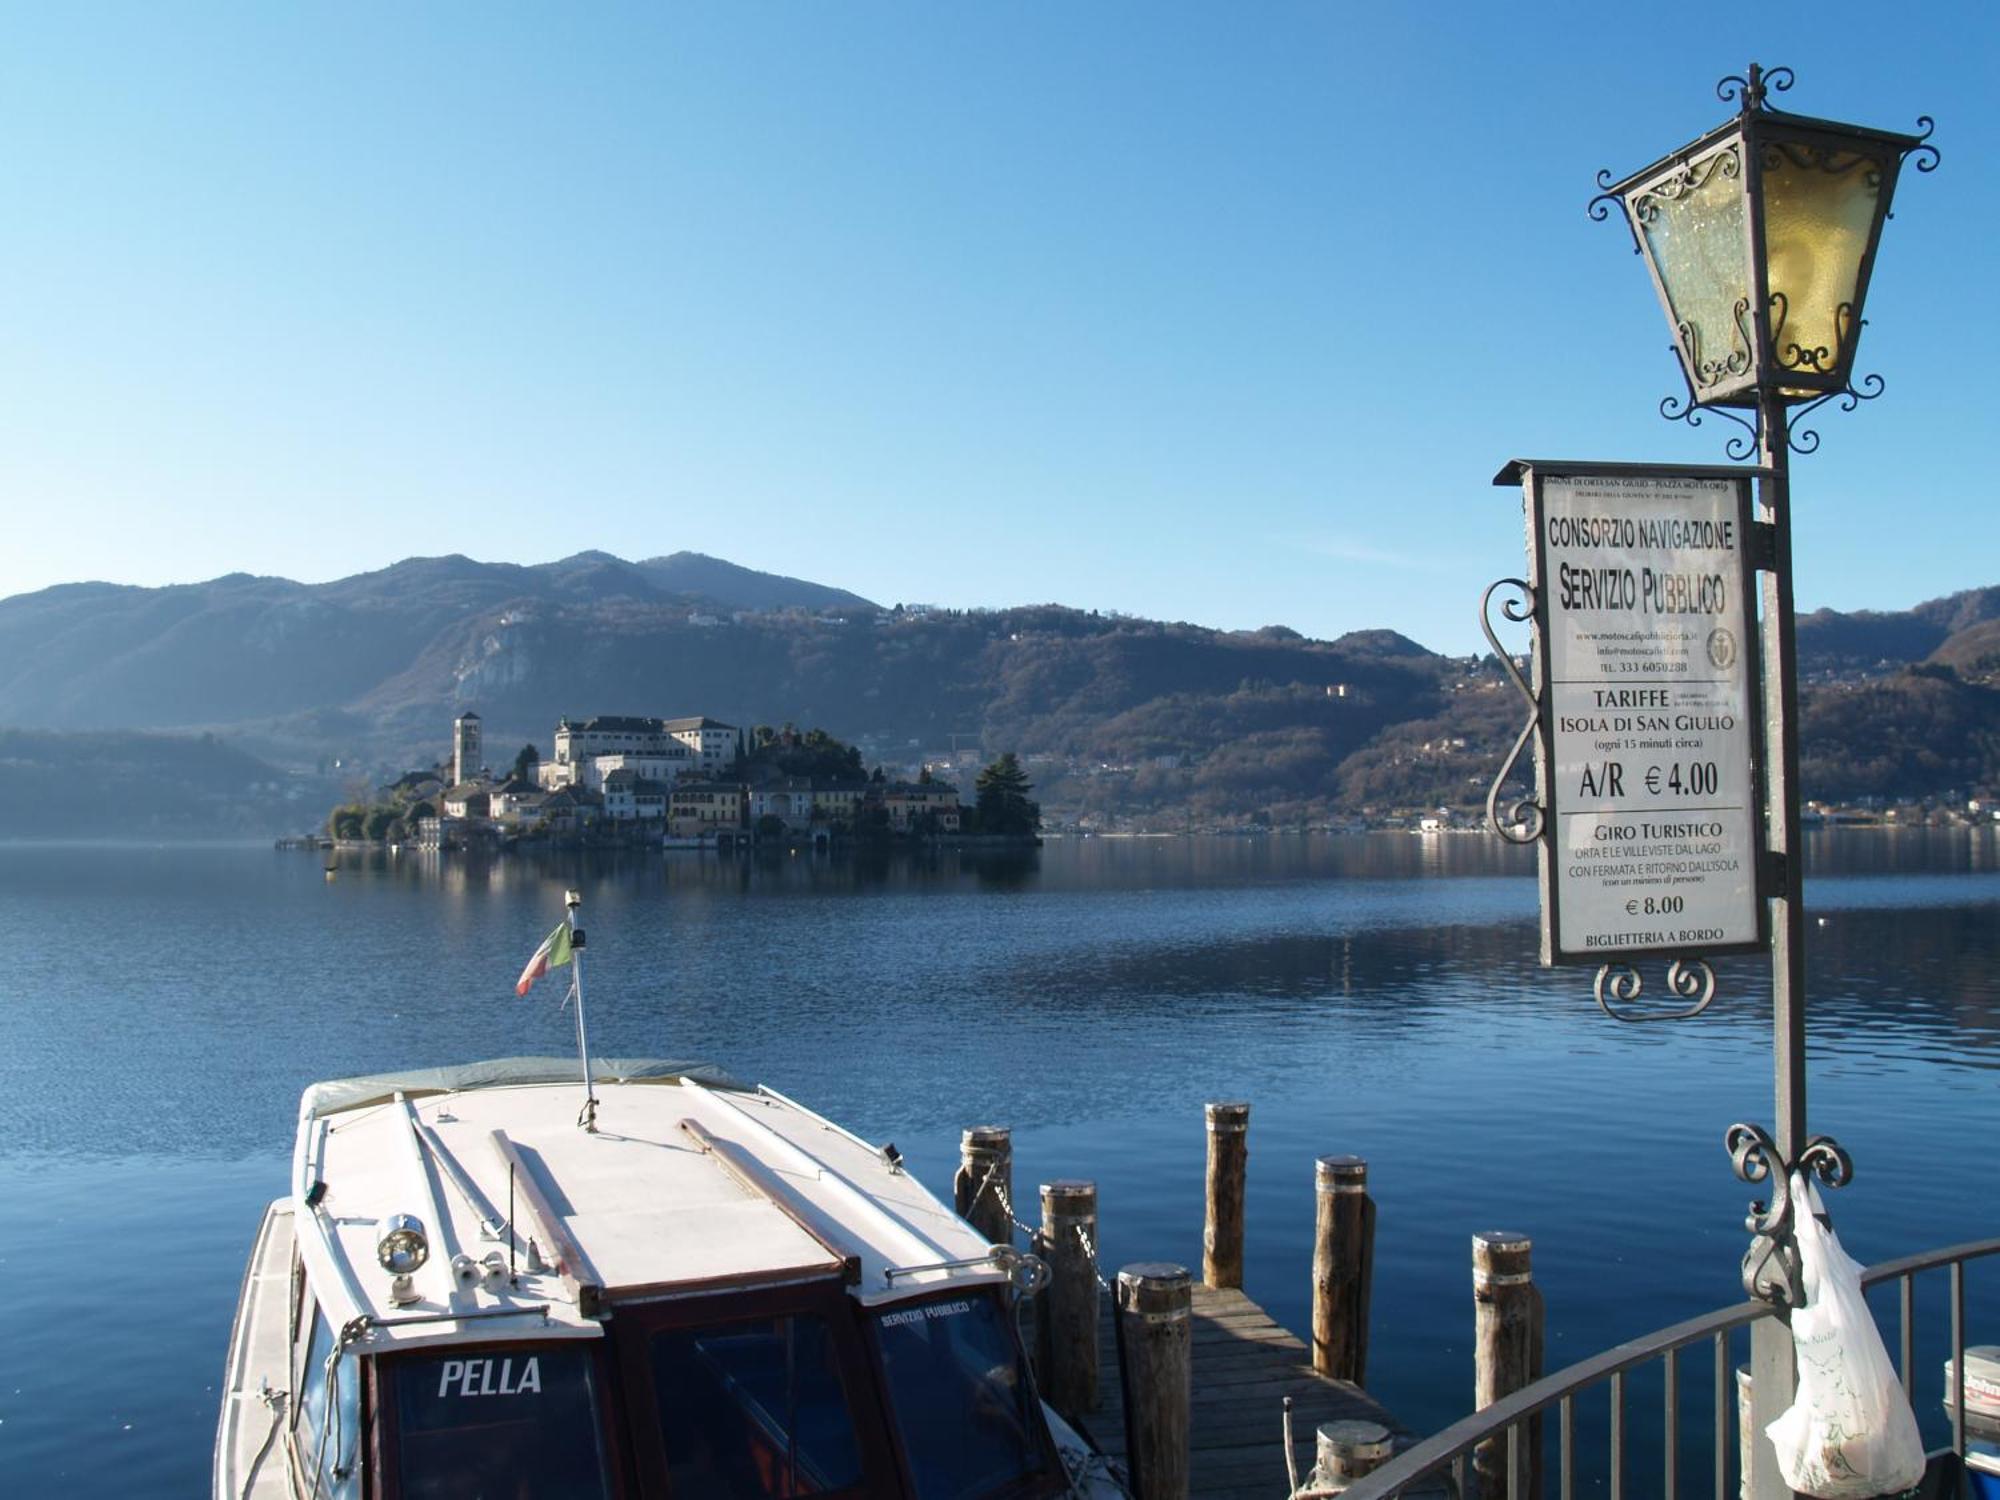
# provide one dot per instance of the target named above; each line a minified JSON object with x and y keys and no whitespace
{"x":712,"y":1293}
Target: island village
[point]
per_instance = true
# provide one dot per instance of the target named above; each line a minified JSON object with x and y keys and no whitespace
{"x":677,"y":783}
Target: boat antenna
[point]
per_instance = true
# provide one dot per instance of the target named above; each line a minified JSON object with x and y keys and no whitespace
{"x":587,"y":1117}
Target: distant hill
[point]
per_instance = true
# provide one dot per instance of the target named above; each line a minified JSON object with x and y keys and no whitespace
{"x":243,"y":649}
{"x":1913,"y":734}
{"x":1873,"y":641}
{"x":145,"y":786}
{"x":1123,"y":718}
{"x":694,"y":575}
{"x":1973,"y":652}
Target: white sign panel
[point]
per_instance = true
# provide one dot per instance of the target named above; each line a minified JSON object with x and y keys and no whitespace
{"x":1647,"y":662}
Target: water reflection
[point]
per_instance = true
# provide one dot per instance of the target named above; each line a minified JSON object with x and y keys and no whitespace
{"x":1376,"y":995}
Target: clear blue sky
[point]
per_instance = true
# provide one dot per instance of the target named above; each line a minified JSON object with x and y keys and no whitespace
{"x":1224,"y":313}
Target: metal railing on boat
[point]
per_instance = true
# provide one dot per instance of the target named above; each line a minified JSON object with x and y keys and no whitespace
{"x":1507,"y":1420}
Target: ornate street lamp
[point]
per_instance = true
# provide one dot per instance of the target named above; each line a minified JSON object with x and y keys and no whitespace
{"x":1761,"y":238}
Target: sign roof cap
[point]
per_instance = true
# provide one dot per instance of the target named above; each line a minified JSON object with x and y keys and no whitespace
{"x":1518,"y":468}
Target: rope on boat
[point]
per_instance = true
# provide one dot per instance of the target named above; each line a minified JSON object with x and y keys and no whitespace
{"x":276,"y":1401}
{"x":351,"y":1332}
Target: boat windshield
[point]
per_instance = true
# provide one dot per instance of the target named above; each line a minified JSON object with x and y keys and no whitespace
{"x":514,"y":1424}
{"x":754,"y":1409}
{"x":964,"y":1407}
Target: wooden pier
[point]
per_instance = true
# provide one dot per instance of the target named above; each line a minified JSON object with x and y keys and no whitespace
{"x":1244,"y":1365}
{"x":1183,"y":1383}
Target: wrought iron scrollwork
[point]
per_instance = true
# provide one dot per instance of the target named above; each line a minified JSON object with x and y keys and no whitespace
{"x":1924,"y":154}
{"x":1833,"y":160}
{"x":1771,"y":1265}
{"x":1523,"y":821}
{"x":1687,"y":409}
{"x":1750,"y":92}
{"x":1799,"y":438}
{"x":1689,"y":177}
{"x":1818,"y":357}
{"x":1599,"y":208}
{"x":1735,"y":363}
{"x":1619,"y":986}
{"x":1803,"y":439}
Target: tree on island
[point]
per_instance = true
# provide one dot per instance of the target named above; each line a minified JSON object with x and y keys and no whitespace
{"x":1003,"y":805}
{"x":814,"y":755}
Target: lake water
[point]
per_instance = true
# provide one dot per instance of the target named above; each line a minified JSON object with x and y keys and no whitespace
{"x":161,"y":1008}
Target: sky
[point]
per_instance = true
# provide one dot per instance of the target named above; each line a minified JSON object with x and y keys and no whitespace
{"x":1223,"y":313}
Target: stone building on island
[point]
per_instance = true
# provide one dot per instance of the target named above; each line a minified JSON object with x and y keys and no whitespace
{"x":683,"y":781}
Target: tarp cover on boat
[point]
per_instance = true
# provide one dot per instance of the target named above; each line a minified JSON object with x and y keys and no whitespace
{"x":376,"y":1088}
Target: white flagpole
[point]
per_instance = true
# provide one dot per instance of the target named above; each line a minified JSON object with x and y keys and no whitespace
{"x":588,"y":1117}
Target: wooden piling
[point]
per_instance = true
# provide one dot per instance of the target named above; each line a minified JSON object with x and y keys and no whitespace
{"x":1245,"y":1366}
{"x":1222,"y":1228}
{"x":1507,"y":1349}
{"x":1349,"y":1450}
{"x":1066,"y":1315}
{"x":1343,"y":1267}
{"x":983,"y":1190}
{"x":1155,"y":1350}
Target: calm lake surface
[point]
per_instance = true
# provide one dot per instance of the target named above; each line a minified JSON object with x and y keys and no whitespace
{"x":161,"y":1009}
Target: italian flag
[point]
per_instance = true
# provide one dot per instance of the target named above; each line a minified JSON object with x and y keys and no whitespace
{"x":553,"y":954}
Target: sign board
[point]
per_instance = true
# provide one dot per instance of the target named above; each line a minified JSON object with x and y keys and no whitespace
{"x":1646,"y":664}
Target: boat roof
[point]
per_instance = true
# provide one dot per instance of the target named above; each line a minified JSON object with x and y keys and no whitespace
{"x":375,"y":1088}
{"x":691,"y":1183}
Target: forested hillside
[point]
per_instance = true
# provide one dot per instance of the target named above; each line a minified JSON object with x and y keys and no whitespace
{"x":124,"y":785}
{"x":1141,"y":720}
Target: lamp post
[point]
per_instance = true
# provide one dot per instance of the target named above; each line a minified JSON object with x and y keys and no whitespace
{"x":1761,"y":237}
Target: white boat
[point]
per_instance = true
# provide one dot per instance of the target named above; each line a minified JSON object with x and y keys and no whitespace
{"x":713,"y":1293}
{"x":1982,"y":1387}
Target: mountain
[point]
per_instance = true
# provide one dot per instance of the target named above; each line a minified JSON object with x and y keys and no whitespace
{"x":245,"y":649}
{"x":1973,"y":652}
{"x":697,"y":575}
{"x":1125,"y":718}
{"x":1868,"y":640}
{"x":124,"y":785}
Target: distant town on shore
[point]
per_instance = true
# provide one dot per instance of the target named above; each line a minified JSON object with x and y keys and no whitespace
{"x":696,"y":782}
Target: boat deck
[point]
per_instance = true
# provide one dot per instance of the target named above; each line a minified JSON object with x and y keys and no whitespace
{"x":1244,"y":1365}
{"x":249,"y":1452}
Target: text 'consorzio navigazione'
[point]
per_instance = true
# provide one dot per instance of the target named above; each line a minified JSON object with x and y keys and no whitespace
{"x":1655,"y":591}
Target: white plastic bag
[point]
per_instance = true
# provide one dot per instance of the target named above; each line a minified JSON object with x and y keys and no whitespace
{"x":1850,"y":1434}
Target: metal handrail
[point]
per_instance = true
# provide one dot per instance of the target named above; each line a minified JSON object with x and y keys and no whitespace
{"x":1928,"y":1260}
{"x":1507,"y":1414}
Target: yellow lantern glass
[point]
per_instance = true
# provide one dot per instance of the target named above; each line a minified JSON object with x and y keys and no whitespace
{"x":1820,"y":208}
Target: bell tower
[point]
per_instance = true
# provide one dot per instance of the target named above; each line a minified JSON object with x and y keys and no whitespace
{"x":465,"y":756}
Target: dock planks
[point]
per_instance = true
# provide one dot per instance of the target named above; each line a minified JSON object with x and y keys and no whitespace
{"x":1244,"y":1365}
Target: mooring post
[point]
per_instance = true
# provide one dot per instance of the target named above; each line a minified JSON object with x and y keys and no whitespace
{"x":1228,"y":1157}
{"x":1507,"y":1350}
{"x":1066,"y":1315}
{"x":1343,"y":1267}
{"x":1350,"y":1450}
{"x":1155,"y":1335}
{"x":983,"y":1191}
